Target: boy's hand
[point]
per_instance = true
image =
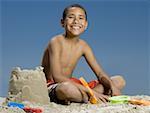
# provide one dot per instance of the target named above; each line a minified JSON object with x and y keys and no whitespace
{"x":101,"y":97}
{"x":108,"y":88}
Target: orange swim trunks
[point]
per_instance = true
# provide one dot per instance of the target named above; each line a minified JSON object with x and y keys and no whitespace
{"x":92,"y":84}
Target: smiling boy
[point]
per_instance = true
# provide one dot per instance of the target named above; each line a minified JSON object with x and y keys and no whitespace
{"x":61,"y":56}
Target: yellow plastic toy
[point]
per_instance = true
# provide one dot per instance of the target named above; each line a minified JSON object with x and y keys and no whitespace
{"x":93,"y":99}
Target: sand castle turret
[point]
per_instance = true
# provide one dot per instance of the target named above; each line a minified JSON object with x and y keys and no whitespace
{"x":28,"y":85}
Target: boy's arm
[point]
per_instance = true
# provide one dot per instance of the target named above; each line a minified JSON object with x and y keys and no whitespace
{"x":103,"y":78}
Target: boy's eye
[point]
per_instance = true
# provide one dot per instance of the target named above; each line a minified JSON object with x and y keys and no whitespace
{"x":70,"y":17}
{"x":81,"y":18}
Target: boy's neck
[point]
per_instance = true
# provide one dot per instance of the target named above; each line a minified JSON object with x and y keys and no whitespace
{"x":71,"y":38}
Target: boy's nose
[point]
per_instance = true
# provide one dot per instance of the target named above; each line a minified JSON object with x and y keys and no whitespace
{"x":76,"y":20}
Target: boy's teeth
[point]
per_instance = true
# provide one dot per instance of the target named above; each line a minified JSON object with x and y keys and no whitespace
{"x":76,"y":27}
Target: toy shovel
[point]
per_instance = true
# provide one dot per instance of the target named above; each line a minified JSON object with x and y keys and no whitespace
{"x":93,"y":99}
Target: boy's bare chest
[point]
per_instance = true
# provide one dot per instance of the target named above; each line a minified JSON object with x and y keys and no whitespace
{"x":70,"y":56}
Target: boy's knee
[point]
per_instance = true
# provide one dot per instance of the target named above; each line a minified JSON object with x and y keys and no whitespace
{"x":62,"y":89}
{"x":67,"y":90}
{"x":119,"y":81}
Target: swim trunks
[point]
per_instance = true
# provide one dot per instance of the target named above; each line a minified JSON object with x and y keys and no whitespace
{"x":52,"y":89}
{"x":92,"y":84}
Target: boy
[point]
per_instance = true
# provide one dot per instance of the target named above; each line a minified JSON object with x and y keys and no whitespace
{"x":62,"y":55}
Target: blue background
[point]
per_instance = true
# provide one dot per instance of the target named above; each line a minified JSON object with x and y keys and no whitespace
{"x":117,"y":32}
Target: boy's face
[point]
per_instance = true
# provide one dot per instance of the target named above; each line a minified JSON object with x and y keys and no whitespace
{"x":75,"y":22}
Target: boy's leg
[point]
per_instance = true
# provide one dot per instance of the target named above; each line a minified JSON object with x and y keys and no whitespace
{"x":69,"y":92}
{"x":118,"y":81}
{"x":99,"y":88}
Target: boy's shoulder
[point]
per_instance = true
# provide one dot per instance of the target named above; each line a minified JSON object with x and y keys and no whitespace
{"x":83,"y":43}
{"x":55,"y":39}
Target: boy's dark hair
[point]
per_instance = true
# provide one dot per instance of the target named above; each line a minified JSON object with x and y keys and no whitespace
{"x":73,"y":5}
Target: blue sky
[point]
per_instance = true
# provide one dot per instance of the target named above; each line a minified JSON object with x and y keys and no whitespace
{"x":117,"y":32}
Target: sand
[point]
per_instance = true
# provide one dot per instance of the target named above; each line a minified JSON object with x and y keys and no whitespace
{"x":83,"y":108}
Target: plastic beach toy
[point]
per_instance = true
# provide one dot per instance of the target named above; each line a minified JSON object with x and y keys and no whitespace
{"x":26,"y":109}
{"x":15,"y":104}
{"x":93,"y":99}
{"x":139,"y":102}
{"x":122,"y":99}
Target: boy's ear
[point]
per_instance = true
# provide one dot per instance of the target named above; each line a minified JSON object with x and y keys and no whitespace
{"x":86,"y":25}
{"x":62,"y":22}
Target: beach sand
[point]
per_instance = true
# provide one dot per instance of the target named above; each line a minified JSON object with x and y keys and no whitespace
{"x":82,"y":108}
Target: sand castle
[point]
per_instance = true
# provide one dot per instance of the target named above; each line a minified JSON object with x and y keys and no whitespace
{"x":28,"y":85}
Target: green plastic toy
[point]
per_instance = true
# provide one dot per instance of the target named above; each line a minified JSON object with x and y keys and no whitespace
{"x":122,"y":99}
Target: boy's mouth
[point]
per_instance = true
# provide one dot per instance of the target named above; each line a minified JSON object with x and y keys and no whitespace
{"x":76,"y":27}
